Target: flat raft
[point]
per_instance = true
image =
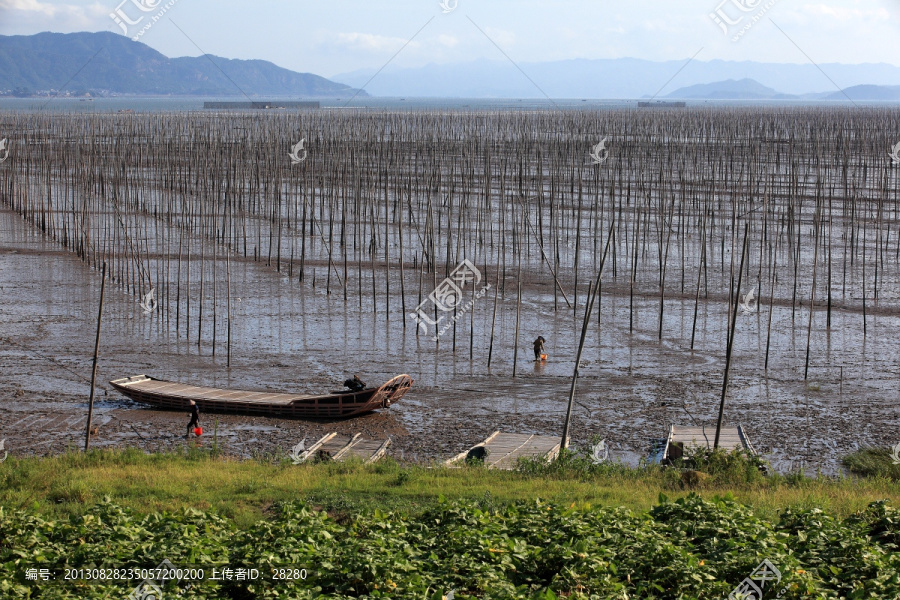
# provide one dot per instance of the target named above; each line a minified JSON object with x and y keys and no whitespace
{"x":172,"y":395}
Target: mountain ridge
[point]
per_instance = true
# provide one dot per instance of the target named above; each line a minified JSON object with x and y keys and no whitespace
{"x":621,"y":78}
{"x":112,"y":63}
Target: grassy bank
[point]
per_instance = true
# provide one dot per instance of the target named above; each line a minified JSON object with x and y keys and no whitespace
{"x":570,"y":529}
{"x":875,"y":463}
{"x":244,"y":490}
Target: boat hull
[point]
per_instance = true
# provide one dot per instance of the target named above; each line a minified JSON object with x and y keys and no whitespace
{"x":177,"y":396}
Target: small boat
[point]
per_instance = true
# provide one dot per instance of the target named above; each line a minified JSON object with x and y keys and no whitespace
{"x":503,"y":450}
{"x":683,"y":438}
{"x":172,"y":395}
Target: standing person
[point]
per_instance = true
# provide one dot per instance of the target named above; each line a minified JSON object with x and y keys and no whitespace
{"x":538,"y":347}
{"x":195,"y":418}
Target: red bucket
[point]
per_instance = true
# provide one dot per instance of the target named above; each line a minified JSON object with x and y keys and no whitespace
{"x":198,"y":431}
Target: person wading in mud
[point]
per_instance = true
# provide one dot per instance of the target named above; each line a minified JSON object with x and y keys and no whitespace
{"x":539,"y":347}
{"x":195,"y":418}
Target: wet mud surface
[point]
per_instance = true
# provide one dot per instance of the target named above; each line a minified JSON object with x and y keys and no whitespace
{"x":292,"y":336}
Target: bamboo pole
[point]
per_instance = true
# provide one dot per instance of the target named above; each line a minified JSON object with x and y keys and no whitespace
{"x":90,"y":416}
{"x":733,"y":299}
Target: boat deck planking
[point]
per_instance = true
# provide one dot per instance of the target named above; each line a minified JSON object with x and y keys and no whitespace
{"x":730,"y":438}
{"x":341,"y":447}
{"x":505,"y":449}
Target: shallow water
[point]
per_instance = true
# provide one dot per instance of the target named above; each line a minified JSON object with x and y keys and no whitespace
{"x":292,"y":336}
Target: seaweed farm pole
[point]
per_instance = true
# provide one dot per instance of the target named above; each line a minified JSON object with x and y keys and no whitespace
{"x":202,"y":269}
{"x":771,"y":298}
{"x":699,"y":276}
{"x":215,"y":274}
{"x":865,"y":234}
{"x":593,"y":288}
{"x":87,"y":429}
{"x":228,"y":307}
{"x":588,"y":305}
{"x":493,"y":318}
{"x":518,"y":307}
{"x":518,"y":314}
{"x":734,"y":306}
{"x":812,"y":293}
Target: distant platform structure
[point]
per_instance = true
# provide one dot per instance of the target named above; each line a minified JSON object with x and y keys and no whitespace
{"x":262,"y":104}
{"x":662,"y":104}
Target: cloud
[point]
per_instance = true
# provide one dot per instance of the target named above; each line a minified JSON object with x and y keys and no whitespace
{"x":33,"y":6}
{"x":29,"y":16}
{"x":447,"y":40}
{"x":372,"y":42}
{"x":501,"y":37}
{"x":844,"y":14}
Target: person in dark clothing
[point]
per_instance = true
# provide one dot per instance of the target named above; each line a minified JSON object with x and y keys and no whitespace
{"x":195,"y":418}
{"x":356,"y":384}
{"x":538,"y":347}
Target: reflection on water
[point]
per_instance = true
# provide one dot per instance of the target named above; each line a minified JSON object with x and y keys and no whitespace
{"x":288,"y":335}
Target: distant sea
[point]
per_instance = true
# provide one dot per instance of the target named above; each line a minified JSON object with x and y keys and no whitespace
{"x":186,"y":104}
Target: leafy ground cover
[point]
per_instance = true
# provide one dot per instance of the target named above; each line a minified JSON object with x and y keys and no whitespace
{"x":690,"y":548}
{"x":396,"y":531}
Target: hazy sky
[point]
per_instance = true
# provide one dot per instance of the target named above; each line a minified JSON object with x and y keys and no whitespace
{"x":333,"y":37}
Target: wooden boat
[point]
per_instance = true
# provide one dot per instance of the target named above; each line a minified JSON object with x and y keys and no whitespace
{"x":177,"y":396}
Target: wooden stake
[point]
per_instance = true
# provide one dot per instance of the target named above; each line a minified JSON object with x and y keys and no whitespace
{"x":733,"y":307}
{"x":90,"y":417}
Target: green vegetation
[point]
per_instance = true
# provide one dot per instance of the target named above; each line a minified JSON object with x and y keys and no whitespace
{"x":874,"y":462}
{"x":389,"y":530}
{"x":691,"y":548}
{"x":243,"y":490}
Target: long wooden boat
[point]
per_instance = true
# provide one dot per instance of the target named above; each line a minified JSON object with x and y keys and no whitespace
{"x":177,"y":396}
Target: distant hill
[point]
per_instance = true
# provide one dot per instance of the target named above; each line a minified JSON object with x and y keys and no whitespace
{"x":749,"y":89}
{"x":48,"y":61}
{"x":626,"y":78}
{"x":731,"y":89}
{"x":876,"y":93}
